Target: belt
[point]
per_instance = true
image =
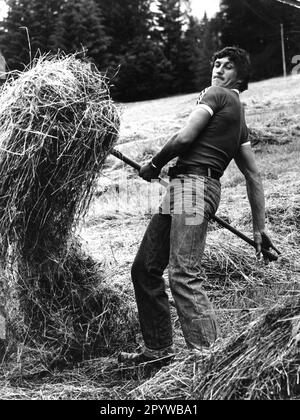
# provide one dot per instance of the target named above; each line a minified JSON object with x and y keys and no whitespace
{"x":174,"y":171}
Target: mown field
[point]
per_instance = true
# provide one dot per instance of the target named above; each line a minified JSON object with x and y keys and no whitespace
{"x":241,"y":288}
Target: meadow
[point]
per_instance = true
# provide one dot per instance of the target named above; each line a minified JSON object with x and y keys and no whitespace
{"x":242,"y":289}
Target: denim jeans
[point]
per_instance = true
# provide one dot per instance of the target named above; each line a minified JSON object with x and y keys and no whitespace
{"x":172,"y":240}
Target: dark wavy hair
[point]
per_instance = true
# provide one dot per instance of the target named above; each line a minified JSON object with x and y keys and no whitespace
{"x":241,"y":59}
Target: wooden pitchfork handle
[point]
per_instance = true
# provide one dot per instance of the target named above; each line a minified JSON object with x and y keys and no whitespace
{"x":221,"y":222}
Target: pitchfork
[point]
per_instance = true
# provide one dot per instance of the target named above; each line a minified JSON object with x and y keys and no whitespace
{"x":269,"y":255}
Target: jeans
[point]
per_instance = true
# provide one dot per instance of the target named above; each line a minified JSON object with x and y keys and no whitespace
{"x":171,"y":239}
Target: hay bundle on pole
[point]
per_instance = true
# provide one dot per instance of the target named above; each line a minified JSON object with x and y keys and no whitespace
{"x":57,"y":126}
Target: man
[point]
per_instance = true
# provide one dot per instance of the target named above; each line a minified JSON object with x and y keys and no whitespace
{"x":215,"y":134}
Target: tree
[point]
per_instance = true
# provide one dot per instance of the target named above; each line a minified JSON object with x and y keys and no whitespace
{"x":27,"y":30}
{"x":189,"y":58}
{"x":209,"y":45}
{"x":125,"y":21}
{"x":144,"y":72}
{"x":199,"y":43}
{"x":128,"y":23}
{"x":169,"y":34}
{"x":256,"y":27}
{"x":169,"y":23}
{"x":79,"y":27}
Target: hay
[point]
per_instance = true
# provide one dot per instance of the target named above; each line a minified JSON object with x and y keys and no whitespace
{"x":242,"y":292}
{"x":279,"y":130}
{"x":57,"y":126}
{"x":77,"y":311}
{"x":229,"y":264}
{"x":240,"y":287}
{"x":261,"y":363}
{"x":285,"y":215}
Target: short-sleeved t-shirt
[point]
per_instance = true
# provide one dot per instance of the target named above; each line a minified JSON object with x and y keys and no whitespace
{"x":224,"y":134}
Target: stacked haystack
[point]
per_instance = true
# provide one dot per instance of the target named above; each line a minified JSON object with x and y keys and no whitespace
{"x":57,"y":126}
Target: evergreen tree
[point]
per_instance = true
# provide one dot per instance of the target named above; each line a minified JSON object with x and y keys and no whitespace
{"x":128,"y":23}
{"x":200,"y":41}
{"x":169,"y":33}
{"x":143,"y":70}
{"x":33,"y":19}
{"x":209,"y":45}
{"x":169,"y":22}
{"x":155,"y":53}
{"x":255,"y":26}
{"x":190,"y":55}
{"x":79,"y":27}
{"x":144,"y":73}
{"x":125,"y":21}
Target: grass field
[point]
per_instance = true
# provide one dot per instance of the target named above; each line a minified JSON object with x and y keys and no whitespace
{"x":241,"y":288}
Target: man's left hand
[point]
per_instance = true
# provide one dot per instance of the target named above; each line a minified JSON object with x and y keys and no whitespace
{"x":148,"y":172}
{"x":262,"y":240}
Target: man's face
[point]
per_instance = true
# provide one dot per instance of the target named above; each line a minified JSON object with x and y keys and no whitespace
{"x":225,"y":74}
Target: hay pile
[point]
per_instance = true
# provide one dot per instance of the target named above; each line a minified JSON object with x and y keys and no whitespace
{"x":261,"y":363}
{"x":285,"y":215}
{"x":229,"y":264}
{"x":57,"y":126}
{"x":260,"y":359}
{"x":240,"y":288}
{"x":279,"y":130}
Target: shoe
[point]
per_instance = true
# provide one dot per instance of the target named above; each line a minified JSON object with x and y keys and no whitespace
{"x":157,"y":358}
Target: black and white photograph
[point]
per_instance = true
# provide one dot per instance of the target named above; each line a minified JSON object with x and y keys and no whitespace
{"x":149,"y":203}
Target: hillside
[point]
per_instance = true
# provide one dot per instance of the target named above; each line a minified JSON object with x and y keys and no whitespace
{"x":241,"y":288}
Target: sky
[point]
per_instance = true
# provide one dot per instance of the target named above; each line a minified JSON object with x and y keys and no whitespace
{"x":210,"y":6}
{"x":199,"y":7}
{"x":2,"y":8}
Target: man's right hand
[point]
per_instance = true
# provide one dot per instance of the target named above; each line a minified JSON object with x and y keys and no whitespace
{"x":262,"y":240}
{"x":148,"y":172}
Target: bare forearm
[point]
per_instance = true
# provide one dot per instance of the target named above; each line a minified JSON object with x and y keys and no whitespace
{"x":257,"y":201}
{"x":181,"y":141}
{"x":173,"y":148}
{"x":245,"y":160}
